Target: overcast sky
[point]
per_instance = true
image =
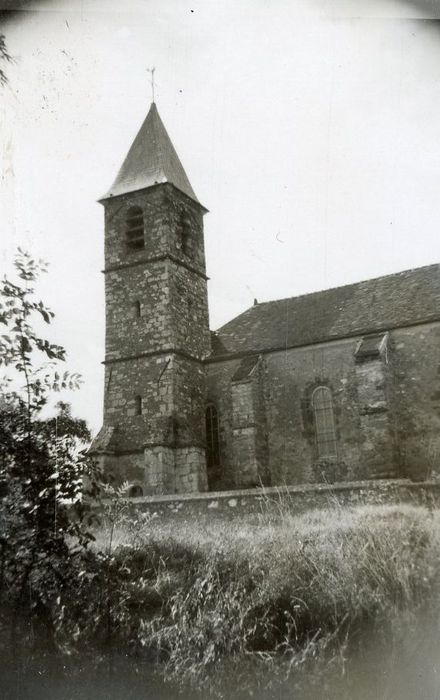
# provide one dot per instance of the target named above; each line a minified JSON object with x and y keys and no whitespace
{"x":310,"y":130}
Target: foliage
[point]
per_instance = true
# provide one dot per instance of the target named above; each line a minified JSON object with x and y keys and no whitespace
{"x":226,"y":607}
{"x":296,"y":590}
{"x":5,"y":56}
{"x":101,"y":610}
{"x":40,"y":465}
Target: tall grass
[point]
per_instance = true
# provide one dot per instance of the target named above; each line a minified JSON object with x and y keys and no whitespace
{"x":219,"y":605}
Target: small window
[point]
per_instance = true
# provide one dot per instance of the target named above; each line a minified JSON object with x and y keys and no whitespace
{"x":185,"y":235}
{"x":134,"y":228}
{"x":137,"y":309}
{"x":185,"y":241}
{"x":322,"y":402}
{"x":136,"y":491}
{"x":212,"y":437}
{"x":138,"y":405}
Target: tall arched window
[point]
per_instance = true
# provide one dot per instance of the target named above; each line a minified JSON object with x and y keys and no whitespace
{"x":134,"y":228}
{"x":212,"y":441}
{"x":322,"y":403}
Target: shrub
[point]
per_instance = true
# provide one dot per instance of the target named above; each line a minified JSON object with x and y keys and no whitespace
{"x":40,"y":469}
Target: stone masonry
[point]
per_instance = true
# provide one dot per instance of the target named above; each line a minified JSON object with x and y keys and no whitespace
{"x":157,"y":335}
{"x":339,"y":385}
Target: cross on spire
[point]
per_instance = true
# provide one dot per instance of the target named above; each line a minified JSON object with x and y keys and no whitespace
{"x":151,"y":70}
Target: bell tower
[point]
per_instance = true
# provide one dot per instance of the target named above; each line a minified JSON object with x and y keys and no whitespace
{"x":157,"y":326}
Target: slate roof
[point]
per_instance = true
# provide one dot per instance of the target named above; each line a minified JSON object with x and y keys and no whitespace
{"x":151,"y":160}
{"x":245,"y":369}
{"x":104,"y":441}
{"x":394,"y":301}
{"x":370,"y":347}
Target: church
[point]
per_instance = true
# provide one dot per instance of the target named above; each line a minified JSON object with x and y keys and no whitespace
{"x":337,"y":385}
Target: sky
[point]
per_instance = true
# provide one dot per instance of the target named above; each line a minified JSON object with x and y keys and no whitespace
{"x":309,"y":129}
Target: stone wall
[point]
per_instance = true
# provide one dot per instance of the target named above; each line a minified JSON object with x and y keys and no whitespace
{"x":166,"y":211}
{"x":249,"y":429}
{"x":416,"y":369}
{"x":190,"y":470}
{"x":157,"y":334}
{"x":253,"y":505}
{"x":386,"y":407}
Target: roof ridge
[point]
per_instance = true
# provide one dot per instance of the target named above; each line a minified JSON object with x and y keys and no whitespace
{"x":343,"y":286}
{"x":402,"y":298}
{"x":158,"y":141}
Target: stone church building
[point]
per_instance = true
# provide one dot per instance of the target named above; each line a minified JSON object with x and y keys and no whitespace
{"x":335,"y":385}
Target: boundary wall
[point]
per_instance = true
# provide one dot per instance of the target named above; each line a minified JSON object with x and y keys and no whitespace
{"x":254,"y":504}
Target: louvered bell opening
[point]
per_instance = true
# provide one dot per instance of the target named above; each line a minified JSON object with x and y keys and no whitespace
{"x":135,"y":229}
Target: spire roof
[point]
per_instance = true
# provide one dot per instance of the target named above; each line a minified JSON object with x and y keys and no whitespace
{"x":151,"y":160}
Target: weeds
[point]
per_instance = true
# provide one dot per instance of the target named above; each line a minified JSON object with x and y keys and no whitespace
{"x":262,"y":603}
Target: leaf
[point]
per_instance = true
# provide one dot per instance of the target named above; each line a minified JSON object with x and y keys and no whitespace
{"x":25,"y":345}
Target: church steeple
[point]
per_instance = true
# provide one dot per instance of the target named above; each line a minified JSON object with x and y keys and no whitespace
{"x":150,"y":161}
{"x":157,"y":326}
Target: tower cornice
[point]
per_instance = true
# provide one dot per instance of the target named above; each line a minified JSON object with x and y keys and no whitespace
{"x":109,"y":198}
{"x":155,"y":353}
{"x":153,"y":259}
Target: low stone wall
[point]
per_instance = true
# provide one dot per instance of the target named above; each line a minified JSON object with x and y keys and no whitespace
{"x":253,"y":504}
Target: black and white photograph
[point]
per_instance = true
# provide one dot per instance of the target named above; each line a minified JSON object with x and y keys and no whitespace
{"x":220,"y":350}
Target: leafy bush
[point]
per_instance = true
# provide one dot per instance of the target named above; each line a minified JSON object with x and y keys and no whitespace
{"x":41,"y":467}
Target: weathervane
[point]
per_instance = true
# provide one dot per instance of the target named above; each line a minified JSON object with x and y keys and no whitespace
{"x":151,"y":70}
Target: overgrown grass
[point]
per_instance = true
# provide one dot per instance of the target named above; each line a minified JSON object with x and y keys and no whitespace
{"x":227,"y":602}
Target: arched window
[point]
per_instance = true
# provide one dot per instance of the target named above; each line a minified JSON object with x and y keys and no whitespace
{"x":136,"y":491}
{"x":134,"y":228}
{"x":212,"y":441}
{"x":322,"y":403}
{"x":138,"y":405}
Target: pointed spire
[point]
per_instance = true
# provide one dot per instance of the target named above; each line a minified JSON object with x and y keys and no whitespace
{"x":151,"y":160}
